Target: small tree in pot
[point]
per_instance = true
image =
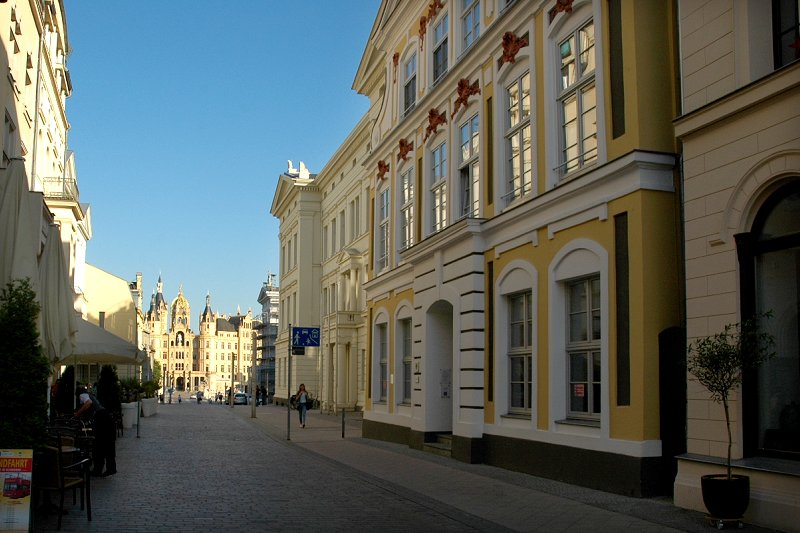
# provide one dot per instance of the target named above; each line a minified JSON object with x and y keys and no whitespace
{"x":719,"y":363}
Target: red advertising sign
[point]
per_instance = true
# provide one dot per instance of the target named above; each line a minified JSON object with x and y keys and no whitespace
{"x":579,"y":390}
{"x":16,"y":467}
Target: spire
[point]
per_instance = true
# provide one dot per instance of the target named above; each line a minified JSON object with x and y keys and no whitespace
{"x":207,"y":315}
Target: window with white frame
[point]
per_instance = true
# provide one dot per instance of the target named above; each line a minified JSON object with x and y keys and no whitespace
{"x":519,"y":164}
{"x":382,"y":252}
{"x":405,"y":348}
{"x":469,"y":171}
{"x":342,"y":241}
{"x":583,"y":347}
{"x":440,"y":32}
{"x":383,"y":361}
{"x":470,"y":22}
{"x":578,"y":100}
{"x":520,"y":355}
{"x":439,"y":187}
{"x":409,"y":83}
{"x":334,"y":246}
{"x":406,"y":201}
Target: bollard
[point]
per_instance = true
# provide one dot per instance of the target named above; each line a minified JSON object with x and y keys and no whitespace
{"x":342,"y":422}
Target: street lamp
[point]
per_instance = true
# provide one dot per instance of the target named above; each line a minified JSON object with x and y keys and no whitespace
{"x":233,"y":369}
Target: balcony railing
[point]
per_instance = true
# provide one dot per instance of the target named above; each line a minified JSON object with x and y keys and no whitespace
{"x":60,"y":189}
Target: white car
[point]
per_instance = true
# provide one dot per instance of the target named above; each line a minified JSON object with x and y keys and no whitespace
{"x":240,"y":398}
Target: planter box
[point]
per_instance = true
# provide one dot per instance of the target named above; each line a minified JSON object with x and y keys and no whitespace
{"x":128,"y":415}
{"x":149,"y":406}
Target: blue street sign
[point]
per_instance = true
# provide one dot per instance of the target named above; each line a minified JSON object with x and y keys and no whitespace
{"x":305,"y":336}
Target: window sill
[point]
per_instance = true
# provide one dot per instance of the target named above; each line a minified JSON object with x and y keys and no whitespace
{"x":765,"y":464}
{"x":517,"y":416}
{"x":579,"y":422}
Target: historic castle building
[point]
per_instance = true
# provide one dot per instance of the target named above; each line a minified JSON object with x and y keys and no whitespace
{"x":220,"y":356}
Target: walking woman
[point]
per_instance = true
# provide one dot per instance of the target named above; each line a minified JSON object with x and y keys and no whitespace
{"x":303,"y":401}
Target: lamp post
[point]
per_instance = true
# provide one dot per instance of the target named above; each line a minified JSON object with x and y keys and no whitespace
{"x":252,"y":386}
{"x":233,"y":369}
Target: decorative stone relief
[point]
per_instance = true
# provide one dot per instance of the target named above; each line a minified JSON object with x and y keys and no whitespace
{"x":511,"y":46}
{"x":465,"y":89}
{"x":435,"y":119}
{"x":405,"y":148}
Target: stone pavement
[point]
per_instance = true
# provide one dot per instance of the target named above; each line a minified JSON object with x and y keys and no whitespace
{"x":208,"y":468}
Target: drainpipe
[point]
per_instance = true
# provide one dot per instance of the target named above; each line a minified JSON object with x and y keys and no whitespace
{"x":38,"y":96}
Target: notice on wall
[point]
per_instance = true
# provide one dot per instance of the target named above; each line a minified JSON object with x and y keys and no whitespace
{"x":445,"y":381}
{"x":16,"y":470}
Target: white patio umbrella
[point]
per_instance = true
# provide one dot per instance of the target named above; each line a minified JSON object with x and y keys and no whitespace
{"x":93,"y":344}
{"x":18,"y":238}
{"x":58,"y":323}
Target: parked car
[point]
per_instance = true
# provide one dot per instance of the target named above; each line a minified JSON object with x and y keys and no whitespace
{"x":240,"y":398}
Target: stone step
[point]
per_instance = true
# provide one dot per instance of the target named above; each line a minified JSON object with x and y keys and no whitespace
{"x":441,"y":446}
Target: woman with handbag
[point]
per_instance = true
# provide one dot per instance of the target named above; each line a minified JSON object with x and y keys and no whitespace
{"x":303,"y":402}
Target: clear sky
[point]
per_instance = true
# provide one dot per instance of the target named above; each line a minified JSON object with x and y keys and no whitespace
{"x":184,"y":113}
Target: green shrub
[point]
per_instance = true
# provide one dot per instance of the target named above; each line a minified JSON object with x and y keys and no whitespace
{"x":23,"y":396}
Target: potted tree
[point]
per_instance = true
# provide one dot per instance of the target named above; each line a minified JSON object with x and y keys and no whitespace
{"x":719,"y":362}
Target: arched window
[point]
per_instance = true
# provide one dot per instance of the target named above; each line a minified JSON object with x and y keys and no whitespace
{"x":769,"y":262}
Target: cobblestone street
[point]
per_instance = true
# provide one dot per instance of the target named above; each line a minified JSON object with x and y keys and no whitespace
{"x":212,"y":468}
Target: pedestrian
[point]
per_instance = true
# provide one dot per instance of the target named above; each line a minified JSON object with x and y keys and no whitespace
{"x":303,"y":403}
{"x":104,"y":431}
{"x":258,"y":396}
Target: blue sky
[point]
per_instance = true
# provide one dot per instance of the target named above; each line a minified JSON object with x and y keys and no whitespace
{"x":183,"y":115}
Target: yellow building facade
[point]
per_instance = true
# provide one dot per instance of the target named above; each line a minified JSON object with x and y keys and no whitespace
{"x":220,"y":356}
{"x":525,"y":275}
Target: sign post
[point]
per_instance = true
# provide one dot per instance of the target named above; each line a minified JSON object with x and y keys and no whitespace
{"x":301,"y":337}
{"x":289,"y":388}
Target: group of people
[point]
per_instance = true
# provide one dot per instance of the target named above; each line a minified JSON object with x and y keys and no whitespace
{"x":262,"y":397}
{"x":104,"y":430}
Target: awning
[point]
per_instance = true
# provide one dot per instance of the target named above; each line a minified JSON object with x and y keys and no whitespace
{"x":96,"y":345}
{"x":58,"y":323}
{"x":18,"y":238}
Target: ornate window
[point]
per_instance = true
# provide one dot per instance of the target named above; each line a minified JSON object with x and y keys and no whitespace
{"x":409,"y":84}
{"x":470,"y":22}
{"x":382,"y":252}
{"x":769,"y":260}
{"x":578,"y":100}
{"x":583,"y":347}
{"x":406,"y":201}
{"x":439,"y":188}
{"x":440,"y":33}
{"x":383,"y":362}
{"x":405,"y":353}
{"x":786,"y":31}
{"x":469,"y":171}
{"x":520,"y":357}
{"x":519,"y":164}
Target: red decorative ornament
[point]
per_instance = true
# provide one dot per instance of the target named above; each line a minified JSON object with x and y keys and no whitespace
{"x":434,"y":7}
{"x":395,"y":61}
{"x":435,"y":119}
{"x":423,"y":27}
{"x":465,"y":90}
{"x":383,"y":168}
{"x":405,"y":148}
{"x":511,"y":46}
{"x":563,"y":5}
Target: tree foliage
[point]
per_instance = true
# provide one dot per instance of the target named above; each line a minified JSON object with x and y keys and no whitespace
{"x":23,"y":395}
{"x":720,"y":361}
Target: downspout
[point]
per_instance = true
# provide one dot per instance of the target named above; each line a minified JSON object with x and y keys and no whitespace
{"x":38,"y":97}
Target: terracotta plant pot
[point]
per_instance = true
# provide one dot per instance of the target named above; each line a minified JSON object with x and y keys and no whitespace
{"x":725,"y":498}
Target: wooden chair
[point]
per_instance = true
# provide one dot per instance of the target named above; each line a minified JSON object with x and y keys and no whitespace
{"x":63,"y":466}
